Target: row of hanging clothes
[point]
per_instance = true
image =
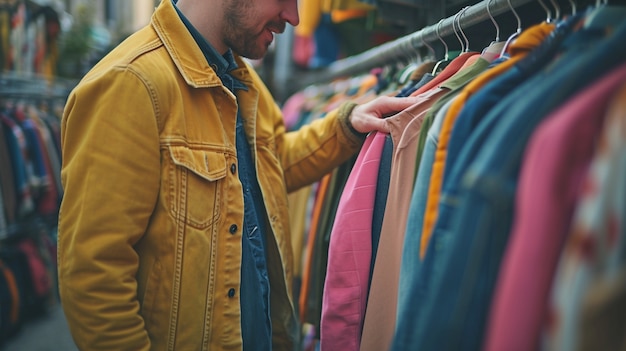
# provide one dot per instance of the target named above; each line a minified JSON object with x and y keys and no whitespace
{"x":30,"y":195}
{"x":30,"y":158}
{"x":491,"y":217}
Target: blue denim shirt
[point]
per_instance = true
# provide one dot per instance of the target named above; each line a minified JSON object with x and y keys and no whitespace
{"x":256,"y":328}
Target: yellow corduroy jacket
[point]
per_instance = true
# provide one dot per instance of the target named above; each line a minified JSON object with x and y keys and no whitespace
{"x":149,"y":248}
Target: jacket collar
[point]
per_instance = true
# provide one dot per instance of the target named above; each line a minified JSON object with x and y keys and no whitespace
{"x":184,"y":50}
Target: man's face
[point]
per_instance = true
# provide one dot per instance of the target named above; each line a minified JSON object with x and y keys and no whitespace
{"x":250,"y":24}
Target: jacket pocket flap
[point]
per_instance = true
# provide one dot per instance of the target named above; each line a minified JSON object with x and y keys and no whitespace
{"x":209,"y":165}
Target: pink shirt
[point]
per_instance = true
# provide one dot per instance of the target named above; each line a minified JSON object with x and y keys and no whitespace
{"x":350,"y":253}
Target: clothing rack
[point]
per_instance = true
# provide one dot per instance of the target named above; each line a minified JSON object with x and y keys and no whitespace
{"x":31,"y":86}
{"x":407,"y":46}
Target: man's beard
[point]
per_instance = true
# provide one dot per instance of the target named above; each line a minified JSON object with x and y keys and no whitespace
{"x":245,"y":45}
{"x":241,"y":37}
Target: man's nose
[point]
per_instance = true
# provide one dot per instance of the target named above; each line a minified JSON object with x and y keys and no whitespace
{"x":290,"y":13}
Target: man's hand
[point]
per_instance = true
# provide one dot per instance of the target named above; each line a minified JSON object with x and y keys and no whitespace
{"x":370,"y":116}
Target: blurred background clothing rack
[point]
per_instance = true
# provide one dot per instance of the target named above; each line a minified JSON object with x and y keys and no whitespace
{"x":15,"y":85}
{"x":30,"y":194}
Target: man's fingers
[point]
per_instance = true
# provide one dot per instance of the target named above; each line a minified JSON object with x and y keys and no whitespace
{"x":381,"y":125}
{"x":391,"y":105}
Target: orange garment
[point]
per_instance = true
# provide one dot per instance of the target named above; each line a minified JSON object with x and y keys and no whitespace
{"x":14,"y":314}
{"x":367,"y":85}
{"x":338,"y":16}
{"x":525,"y":43}
{"x":306,"y":274}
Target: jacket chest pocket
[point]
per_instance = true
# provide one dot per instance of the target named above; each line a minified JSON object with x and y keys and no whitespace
{"x":195,"y":184}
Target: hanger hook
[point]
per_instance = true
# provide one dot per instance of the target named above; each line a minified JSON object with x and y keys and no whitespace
{"x":441,"y":39}
{"x":426,"y":44}
{"x":573,"y":4}
{"x":461,"y":29}
{"x":519,"y":21}
{"x":514,"y":35}
{"x":454,"y":19}
{"x":493,"y":20}
{"x":548,"y":12}
{"x":557,"y":10}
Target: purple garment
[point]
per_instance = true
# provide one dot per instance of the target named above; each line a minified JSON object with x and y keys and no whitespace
{"x":350,"y":252}
{"x":555,"y":163}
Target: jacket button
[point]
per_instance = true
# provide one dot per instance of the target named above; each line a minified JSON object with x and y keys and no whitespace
{"x":233,"y":168}
{"x":233,"y":229}
{"x":231,"y":292}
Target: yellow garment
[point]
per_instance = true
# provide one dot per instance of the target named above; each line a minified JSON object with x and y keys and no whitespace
{"x":526,"y":42}
{"x":311,"y":11}
{"x":346,"y":5}
{"x":5,"y":30}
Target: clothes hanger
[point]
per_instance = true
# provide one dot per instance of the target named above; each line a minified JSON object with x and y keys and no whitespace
{"x":412,"y":64}
{"x":413,"y":61}
{"x":472,"y":56}
{"x":429,"y":61}
{"x":463,"y":47}
{"x":557,"y":10}
{"x":492,"y":51}
{"x":431,"y":50}
{"x":573,"y":5}
{"x":548,"y":12}
{"x":456,"y":34}
{"x":446,"y":57}
{"x":426,"y":62}
{"x":467,"y":44}
{"x":517,"y":32}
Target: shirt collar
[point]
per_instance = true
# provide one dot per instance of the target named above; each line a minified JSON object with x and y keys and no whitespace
{"x":221,"y":64}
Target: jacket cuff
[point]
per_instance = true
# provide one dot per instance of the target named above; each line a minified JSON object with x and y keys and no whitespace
{"x":344,"y":118}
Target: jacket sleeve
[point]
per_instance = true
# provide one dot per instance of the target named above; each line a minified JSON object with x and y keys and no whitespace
{"x":317,"y":148}
{"x":309,"y":153}
{"x":110,"y":176}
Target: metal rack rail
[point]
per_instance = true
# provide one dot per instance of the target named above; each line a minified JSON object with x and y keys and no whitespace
{"x":407,"y":45}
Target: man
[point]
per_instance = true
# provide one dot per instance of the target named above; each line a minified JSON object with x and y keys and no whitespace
{"x":173,"y":231}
